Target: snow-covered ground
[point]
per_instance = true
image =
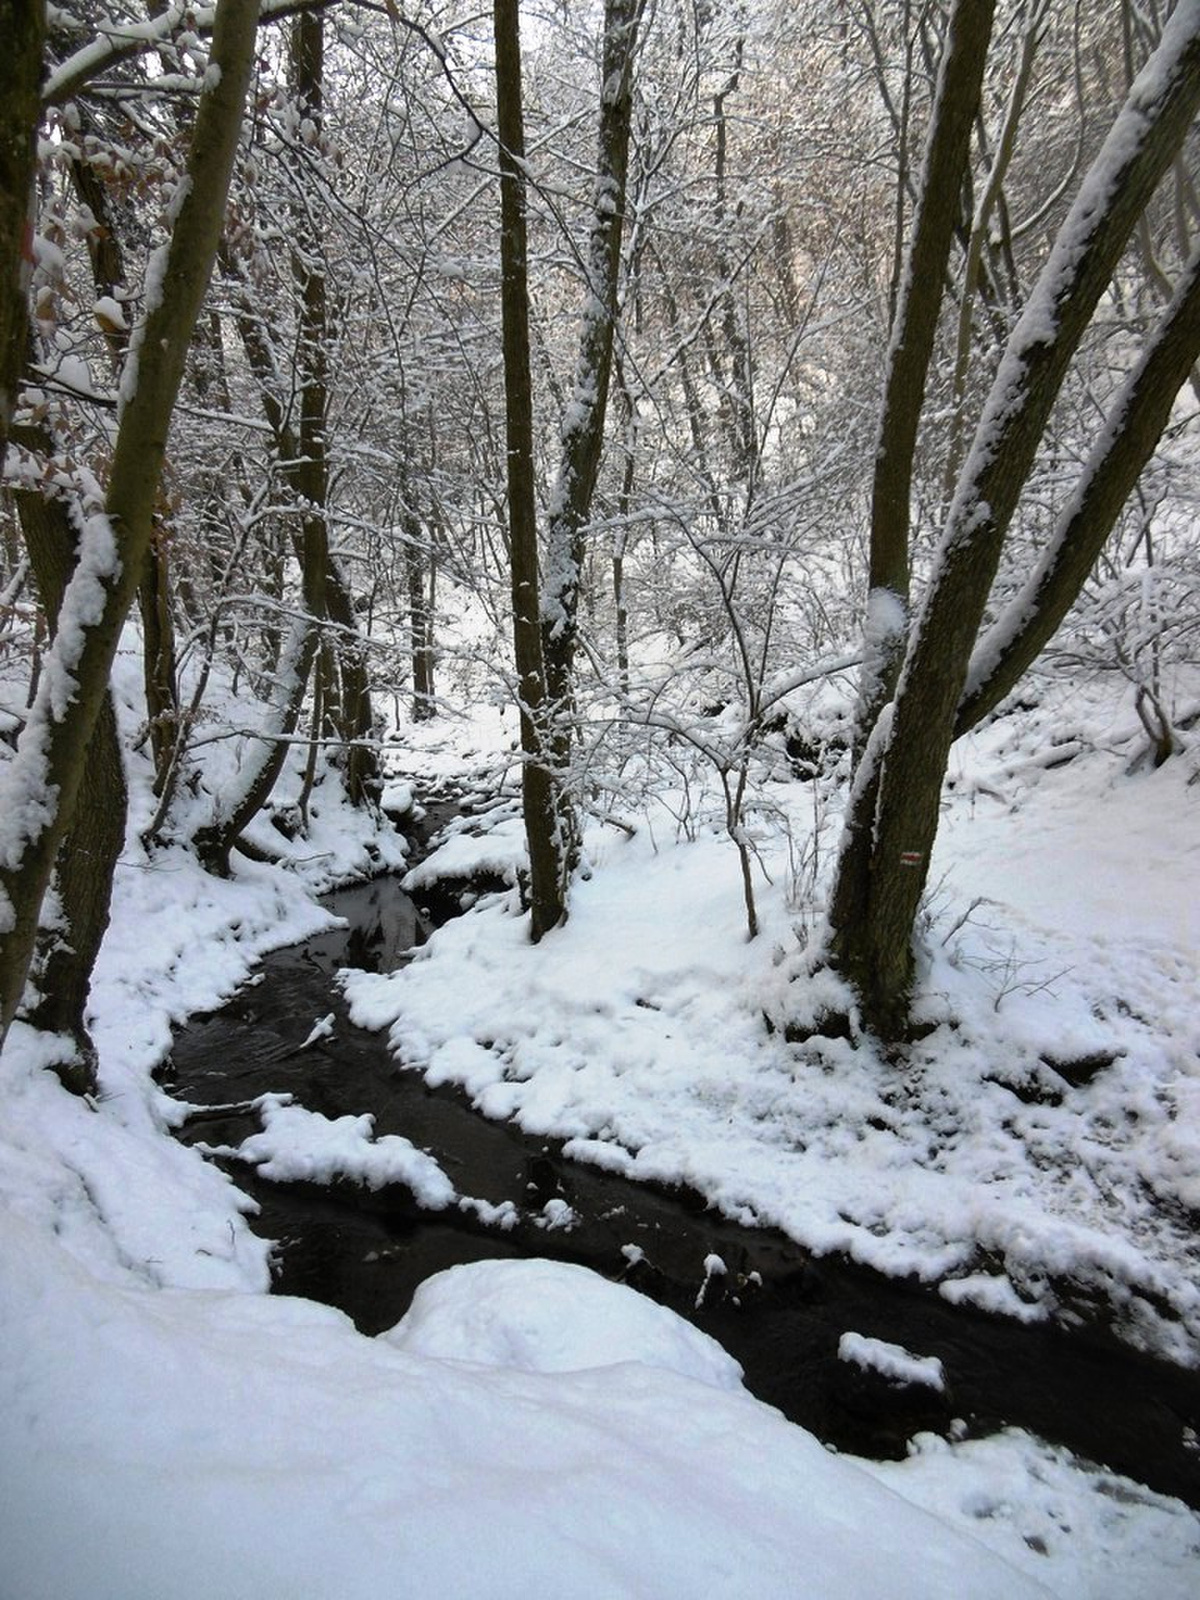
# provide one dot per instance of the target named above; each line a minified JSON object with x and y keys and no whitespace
{"x":1064,"y":929}
{"x":167,"y":1429}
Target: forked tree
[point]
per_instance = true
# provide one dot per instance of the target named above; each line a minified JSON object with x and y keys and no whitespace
{"x":931,"y":678}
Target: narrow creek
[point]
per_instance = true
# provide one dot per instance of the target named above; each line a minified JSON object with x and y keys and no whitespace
{"x":777,"y":1309}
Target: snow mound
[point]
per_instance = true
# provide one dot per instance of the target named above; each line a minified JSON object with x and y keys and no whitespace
{"x":298,"y":1145}
{"x":550,"y":1316}
{"x":892,"y":1361}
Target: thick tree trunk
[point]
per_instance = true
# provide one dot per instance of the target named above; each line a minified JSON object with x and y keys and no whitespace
{"x":547,"y":852}
{"x":914,"y":328}
{"x":39,"y":787}
{"x":89,"y":852}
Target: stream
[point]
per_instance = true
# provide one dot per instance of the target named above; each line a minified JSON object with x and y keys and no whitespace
{"x":776,"y":1308}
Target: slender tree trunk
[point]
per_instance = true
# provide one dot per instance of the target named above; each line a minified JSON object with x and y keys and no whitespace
{"x":309,"y":472}
{"x":547,"y":851}
{"x":1134,"y":425}
{"x":303,"y":451}
{"x":39,"y":787}
{"x":23,"y":29}
{"x":420,"y":612}
{"x":160,"y":679}
{"x":736,"y":389}
{"x":353,"y":721}
{"x":159,"y":664}
{"x":583,"y":426}
{"x":216,"y":842}
{"x":914,"y":329}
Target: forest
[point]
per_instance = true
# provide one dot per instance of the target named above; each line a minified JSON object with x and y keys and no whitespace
{"x":676,"y":521}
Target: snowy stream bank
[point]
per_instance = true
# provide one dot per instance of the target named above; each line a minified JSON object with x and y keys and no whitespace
{"x":363,"y":1239}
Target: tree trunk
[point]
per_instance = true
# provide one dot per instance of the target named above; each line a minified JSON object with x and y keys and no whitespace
{"x":893,"y":813}
{"x":304,"y":454}
{"x":1132,"y":430}
{"x":352,"y":719}
{"x":547,"y":853}
{"x":39,"y":787}
{"x":420,"y":613}
{"x":583,"y":425}
{"x":88,"y":855}
{"x":914,"y":328}
{"x":23,"y":29}
{"x":159,"y":668}
{"x":309,"y":471}
{"x":215,"y":843}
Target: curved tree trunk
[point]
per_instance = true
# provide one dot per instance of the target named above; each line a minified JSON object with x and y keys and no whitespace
{"x":1131,"y":433}
{"x":40,"y":786}
{"x":216,"y":842}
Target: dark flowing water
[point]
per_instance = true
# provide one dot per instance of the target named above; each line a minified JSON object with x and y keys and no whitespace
{"x":777,"y":1309}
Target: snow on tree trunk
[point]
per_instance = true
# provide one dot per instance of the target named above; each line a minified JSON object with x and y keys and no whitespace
{"x":582,"y":430}
{"x":39,"y":786}
{"x":547,"y":853}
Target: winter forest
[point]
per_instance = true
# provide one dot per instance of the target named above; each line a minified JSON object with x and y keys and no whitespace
{"x":600,"y":799}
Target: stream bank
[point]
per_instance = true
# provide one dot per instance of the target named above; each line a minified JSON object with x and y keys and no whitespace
{"x":777,"y":1309}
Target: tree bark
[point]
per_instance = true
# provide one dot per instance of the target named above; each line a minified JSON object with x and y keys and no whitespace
{"x":547,"y":852}
{"x":23,"y":29}
{"x":40,"y":785}
{"x":88,"y":855}
{"x":418,"y":576}
{"x":159,"y":661}
{"x":583,"y":425}
{"x":302,"y":451}
{"x":919,"y":295}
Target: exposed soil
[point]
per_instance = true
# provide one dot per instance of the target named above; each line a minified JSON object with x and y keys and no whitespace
{"x":778,"y":1310}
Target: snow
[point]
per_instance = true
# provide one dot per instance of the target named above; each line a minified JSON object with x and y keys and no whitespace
{"x":297,"y":1145}
{"x":1066,"y":928}
{"x":893,"y":1361}
{"x":166,"y":1428}
{"x":550,"y":1316}
{"x":207,"y":1444}
{"x":110,"y":313}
